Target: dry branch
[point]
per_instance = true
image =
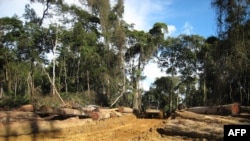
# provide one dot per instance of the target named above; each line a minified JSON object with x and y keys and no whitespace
{"x":54,"y":87}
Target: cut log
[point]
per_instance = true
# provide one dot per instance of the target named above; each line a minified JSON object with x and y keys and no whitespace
{"x":245,"y":109}
{"x":95,"y":116}
{"x":235,"y":109}
{"x":62,"y":111}
{"x":45,"y":110}
{"x":104,"y":114}
{"x":192,"y":129}
{"x":125,"y":110}
{"x":210,"y":119}
{"x":69,"y":112}
{"x":12,"y":116}
{"x":230,"y":109}
{"x":25,"y":108}
{"x":30,"y":127}
{"x":212,"y":110}
{"x":199,"y":126}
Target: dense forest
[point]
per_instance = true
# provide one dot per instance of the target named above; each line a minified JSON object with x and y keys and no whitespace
{"x":98,"y":58}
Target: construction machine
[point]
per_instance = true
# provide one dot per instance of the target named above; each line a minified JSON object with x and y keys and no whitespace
{"x":152,"y":110}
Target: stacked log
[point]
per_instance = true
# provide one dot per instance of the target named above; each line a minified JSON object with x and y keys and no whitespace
{"x":230,"y":109}
{"x":235,"y":109}
{"x":61,"y":111}
{"x":40,"y":120}
{"x":125,"y":110}
{"x":208,"y":118}
{"x":105,"y":114}
{"x":213,"y":110}
{"x":25,"y":108}
{"x":13,"y":116}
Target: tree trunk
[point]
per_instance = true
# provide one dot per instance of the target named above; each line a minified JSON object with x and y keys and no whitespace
{"x":54,"y":74}
{"x":65,"y":76}
{"x":36,"y":126}
{"x":137,"y":102}
{"x":204,"y":91}
{"x":13,"y":116}
{"x":7,"y":77}
{"x":30,"y":85}
{"x":1,"y":90}
{"x":77,"y":75}
{"x":104,"y":114}
{"x":54,"y":64}
{"x":125,"y":110}
{"x":215,"y":110}
{"x":66,"y":112}
{"x":88,"y":83}
{"x":54,"y":87}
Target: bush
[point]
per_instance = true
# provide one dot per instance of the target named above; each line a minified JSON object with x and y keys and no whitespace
{"x":14,"y":101}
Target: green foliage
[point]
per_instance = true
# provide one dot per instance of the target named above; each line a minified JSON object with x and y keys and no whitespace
{"x":14,"y":101}
{"x":100,"y":57}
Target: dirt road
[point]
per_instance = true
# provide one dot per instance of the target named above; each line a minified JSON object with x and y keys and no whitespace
{"x":123,"y":128}
{"x":186,"y":126}
{"x":182,"y":125}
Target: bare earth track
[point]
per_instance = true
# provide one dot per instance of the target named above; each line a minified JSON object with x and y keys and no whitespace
{"x":130,"y":128}
{"x":125,"y":128}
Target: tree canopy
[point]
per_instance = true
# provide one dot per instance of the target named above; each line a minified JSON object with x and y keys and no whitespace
{"x":87,"y":54}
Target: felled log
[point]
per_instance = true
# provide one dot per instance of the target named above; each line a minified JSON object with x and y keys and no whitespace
{"x":212,"y":110}
{"x":210,"y":119}
{"x":30,"y":127}
{"x":12,"y":116}
{"x":61,"y":111}
{"x":69,"y":112}
{"x":125,"y":110}
{"x":192,"y":129}
{"x":235,"y":109}
{"x":25,"y":108}
{"x":245,"y":109}
{"x":104,"y":114}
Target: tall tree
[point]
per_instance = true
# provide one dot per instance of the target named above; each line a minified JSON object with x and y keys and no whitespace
{"x":142,"y":47}
{"x":179,"y":57}
{"x":233,"y":26}
{"x":11,"y":29}
{"x":206,"y":58}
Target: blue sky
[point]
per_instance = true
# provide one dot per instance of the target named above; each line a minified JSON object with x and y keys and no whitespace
{"x":181,"y":16}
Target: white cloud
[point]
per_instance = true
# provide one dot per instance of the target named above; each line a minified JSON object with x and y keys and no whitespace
{"x":171,"y":30}
{"x":145,"y":13}
{"x":19,"y":7}
{"x":187,"y":28}
{"x":11,"y":7}
{"x":151,"y":72}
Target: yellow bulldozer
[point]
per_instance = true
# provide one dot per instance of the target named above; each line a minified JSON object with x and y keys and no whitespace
{"x":152,"y":110}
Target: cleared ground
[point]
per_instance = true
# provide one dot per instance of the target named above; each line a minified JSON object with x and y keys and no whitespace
{"x":130,"y":128}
